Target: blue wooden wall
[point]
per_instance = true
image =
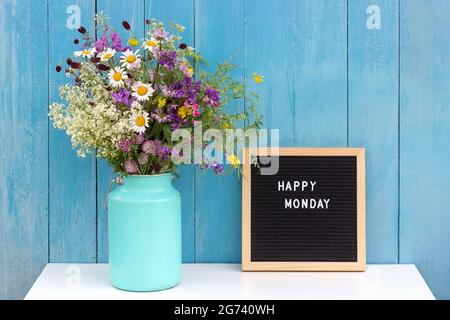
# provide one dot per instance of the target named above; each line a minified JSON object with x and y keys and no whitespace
{"x":359,"y":73}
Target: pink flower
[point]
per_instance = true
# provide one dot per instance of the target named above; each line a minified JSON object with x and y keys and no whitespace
{"x":140,"y":139}
{"x":150,"y":74}
{"x":166,"y":91}
{"x":101,"y":43}
{"x":125,"y":145}
{"x":160,"y":34}
{"x":116,"y":41}
{"x":131,"y":166}
{"x":156,"y":52}
{"x":135,"y":65}
{"x":183,"y":67}
{"x":142,"y":158}
{"x":128,"y":82}
{"x":196,"y":110}
{"x":151,"y":147}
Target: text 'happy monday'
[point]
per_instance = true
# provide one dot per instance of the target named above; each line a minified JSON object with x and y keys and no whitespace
{"x":302,"y":203}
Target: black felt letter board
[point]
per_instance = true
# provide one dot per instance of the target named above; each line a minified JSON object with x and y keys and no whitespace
{"x":280,"y":233}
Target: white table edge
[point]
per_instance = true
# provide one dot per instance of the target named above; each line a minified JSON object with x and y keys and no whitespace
{"x":34,"y":292}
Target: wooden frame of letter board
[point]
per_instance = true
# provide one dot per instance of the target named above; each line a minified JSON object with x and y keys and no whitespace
{"x":359,"y":265}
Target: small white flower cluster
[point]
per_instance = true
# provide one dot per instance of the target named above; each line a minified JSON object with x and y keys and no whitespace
{"x":91,"y":119}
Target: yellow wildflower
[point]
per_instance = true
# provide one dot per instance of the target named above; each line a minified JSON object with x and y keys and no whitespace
{"x":133,"y":42}
{"x":227,"y":125}
{"x":184,"y":111}
{"x":258,"y":78}
{"x":234,"y":160}
{"x":161,"y":102}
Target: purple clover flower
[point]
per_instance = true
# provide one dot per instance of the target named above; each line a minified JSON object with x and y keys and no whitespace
{"x":131,"y":166}
{"x":152,"y":147}
{"x":125,"y":145}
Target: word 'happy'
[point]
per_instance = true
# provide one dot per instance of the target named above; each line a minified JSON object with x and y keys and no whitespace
{"x":302,"y":203}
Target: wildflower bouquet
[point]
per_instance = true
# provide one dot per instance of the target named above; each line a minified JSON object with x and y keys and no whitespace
{"x":126,"y":100}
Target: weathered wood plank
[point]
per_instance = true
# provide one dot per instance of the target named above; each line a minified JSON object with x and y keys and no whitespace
{"x":320,"y":73}
{"x":424,"y":140}
{"x":270,"y":46}
{"x":23,"y":145}
{"x":373,"y":117}
{"x":72,"y":187}
{"x":219,"y":36}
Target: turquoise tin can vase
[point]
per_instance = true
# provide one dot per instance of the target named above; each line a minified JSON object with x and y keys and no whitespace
{"x":144,"y":224}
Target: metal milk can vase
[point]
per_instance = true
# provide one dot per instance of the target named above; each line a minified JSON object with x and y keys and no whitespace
{"x":144,"y":221}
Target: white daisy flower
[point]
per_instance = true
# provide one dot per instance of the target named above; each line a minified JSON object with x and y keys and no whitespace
{"x":142,"y":91}
{"x":107,"y":54}
{"x":139,"y":122}
{"x":87,"y":53}
{"x":117,"y":76}
{"x":150,"y":44}
{"x":130,"y":59}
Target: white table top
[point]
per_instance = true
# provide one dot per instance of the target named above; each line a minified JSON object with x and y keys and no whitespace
{"x":227,"y":281}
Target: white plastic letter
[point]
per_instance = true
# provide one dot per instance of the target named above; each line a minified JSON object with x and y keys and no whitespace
{"x":374,"y":19}
{"x":74,"y":19}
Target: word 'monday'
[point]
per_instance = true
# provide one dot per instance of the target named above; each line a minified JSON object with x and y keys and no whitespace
{"x":302,"y":203}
